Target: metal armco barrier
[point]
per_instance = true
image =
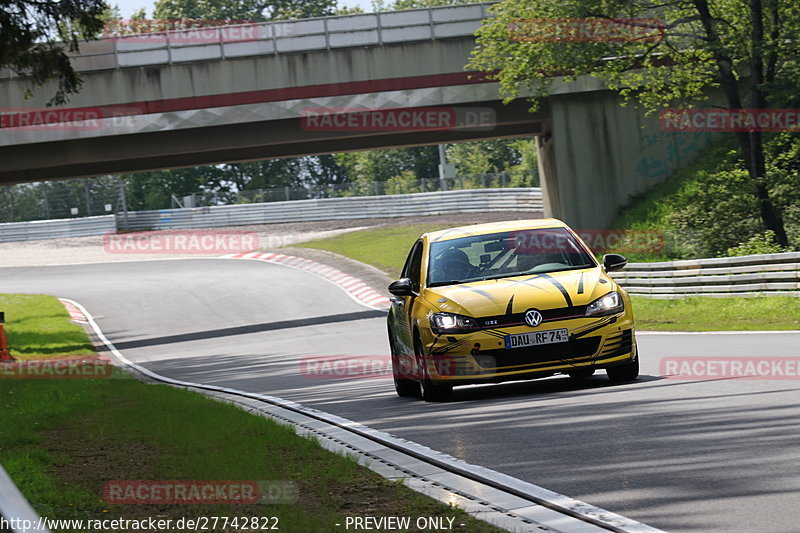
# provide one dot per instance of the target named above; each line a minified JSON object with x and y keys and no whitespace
{"x":401,"y":205}
{"x":748,"y":275}
{"x":54,"y":229}
{"x":15,"y":510}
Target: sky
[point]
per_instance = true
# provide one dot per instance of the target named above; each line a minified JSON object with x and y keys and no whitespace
{"x":127,"y":7}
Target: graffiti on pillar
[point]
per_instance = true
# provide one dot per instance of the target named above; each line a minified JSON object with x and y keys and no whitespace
{"x":662,"y":153}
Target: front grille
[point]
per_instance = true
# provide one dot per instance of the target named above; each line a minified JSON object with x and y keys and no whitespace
{"x":578,"y":348}
{"x":548,"y":315}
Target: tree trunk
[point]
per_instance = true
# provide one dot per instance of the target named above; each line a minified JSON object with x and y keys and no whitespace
{"x":750,"y":143}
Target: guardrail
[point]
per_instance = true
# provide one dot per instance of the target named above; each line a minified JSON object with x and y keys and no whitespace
{"x":15,"y":509}
{"x":400,"y":205}
{"x":55,"y":229}
{"x":241,"y":40}
{"x":748,"y":275}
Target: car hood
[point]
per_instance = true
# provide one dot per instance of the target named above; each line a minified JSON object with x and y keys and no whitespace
{"x":551,"y":290}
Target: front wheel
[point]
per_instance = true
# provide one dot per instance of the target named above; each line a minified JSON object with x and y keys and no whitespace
{"x":429,"y":391}
{"x":404,"y":387}
{"x":627,"y":372}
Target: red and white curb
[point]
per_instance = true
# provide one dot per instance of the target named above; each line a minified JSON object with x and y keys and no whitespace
{"x":75,"y":314}
{"x":354,"y":287}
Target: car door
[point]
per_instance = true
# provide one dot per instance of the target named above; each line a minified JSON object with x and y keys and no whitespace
{"x":401,"y":313}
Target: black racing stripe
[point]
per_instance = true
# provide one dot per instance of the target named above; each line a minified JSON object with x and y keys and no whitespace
{"x":479,"y":291}
{"x":559,"y":286}
{"x":591,"y":329}
{"x":580,"y":284}
{"x":510,"y":307}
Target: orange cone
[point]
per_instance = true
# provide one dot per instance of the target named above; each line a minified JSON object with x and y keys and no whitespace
{"x":4,"y":355}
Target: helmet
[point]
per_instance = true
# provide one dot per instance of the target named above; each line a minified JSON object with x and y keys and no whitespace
{"x":454,"y":264}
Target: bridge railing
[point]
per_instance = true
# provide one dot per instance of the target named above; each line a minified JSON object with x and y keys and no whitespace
{"x":748,"y":275}
{"x":277,"y":37}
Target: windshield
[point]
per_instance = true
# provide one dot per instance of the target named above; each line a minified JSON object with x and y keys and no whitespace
{"x":506,"y":254}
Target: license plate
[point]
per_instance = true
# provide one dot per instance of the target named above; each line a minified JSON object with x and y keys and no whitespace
{"x":536,"y":338}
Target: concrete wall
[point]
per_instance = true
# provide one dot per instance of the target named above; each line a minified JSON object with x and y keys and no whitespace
{"x":598,"y":155}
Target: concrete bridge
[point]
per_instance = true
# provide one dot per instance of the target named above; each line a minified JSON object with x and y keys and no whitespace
{"x":284,"y":89}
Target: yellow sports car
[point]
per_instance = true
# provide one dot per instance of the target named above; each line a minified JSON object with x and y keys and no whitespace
{"x":507,"y":301}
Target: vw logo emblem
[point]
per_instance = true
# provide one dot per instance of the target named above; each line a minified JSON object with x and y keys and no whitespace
{"x":533,"y":317}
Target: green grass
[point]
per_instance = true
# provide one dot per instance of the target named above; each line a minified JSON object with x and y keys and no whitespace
{"x":62,"y":440}
{"x":385,"y":248}
{"x":718,"y":314}
{"x":38,"y":326}
{"x":652,"y":209}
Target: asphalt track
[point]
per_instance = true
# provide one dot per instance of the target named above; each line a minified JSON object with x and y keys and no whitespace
{"x":713,"y":455}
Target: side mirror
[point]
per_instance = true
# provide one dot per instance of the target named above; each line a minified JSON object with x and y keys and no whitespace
{"x":401,"y":287}
{"x":612,"y":262}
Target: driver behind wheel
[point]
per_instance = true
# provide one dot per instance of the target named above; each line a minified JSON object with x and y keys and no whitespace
{"x":453,"y":265}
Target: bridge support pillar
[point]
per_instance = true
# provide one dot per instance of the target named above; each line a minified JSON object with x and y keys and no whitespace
{"x":596,"y":155}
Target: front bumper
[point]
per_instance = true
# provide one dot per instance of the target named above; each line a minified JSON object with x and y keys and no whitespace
{"x":481,"y":357}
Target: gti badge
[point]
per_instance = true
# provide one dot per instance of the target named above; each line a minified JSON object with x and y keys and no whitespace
{"x":533,"y":317}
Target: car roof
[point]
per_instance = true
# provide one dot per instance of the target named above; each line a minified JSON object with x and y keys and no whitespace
{"x":493,"y":227}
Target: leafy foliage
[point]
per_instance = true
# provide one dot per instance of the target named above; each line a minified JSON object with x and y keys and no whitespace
{"x":674,"y":52}
{"x":707,"y":209}
{"x":35,"y":38}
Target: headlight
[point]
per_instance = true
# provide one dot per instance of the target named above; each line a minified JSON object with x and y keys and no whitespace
{"x":451,"y":323}
{"x":610,"y":304}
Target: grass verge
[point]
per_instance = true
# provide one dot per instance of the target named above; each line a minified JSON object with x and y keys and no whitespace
{"x":386,"y":248}
{"x":63,"y":439}
{"x":38,"y":327}
{"x":718,"y":314}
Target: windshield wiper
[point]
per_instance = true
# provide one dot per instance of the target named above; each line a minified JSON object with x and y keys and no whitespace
{"x":451,"y":282}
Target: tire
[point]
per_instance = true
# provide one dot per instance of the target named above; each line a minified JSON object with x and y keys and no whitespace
{"x":405,"y":388}
{"x":580,"y":373}
{"x":429,"y":391}
{"x":620,"y":374}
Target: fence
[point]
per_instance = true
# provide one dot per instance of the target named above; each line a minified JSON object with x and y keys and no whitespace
{"x":55,"y":229}
{"x":402,"y":205}
{"x":749,"y":275}
{"x":374,"y":188}
{"x":390,"y":206}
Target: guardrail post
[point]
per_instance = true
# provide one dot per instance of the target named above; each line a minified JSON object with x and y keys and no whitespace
{"x":4,"y":354}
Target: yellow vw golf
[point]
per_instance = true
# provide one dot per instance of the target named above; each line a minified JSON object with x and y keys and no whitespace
{"x":507,"y":301}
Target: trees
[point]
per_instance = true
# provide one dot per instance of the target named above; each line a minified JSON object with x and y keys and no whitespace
{"x":746,"y":49}
{"x":240,"y":10}
{"x":36,"y":36}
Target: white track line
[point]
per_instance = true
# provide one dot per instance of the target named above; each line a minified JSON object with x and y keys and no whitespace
{"x":554,"y":499}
